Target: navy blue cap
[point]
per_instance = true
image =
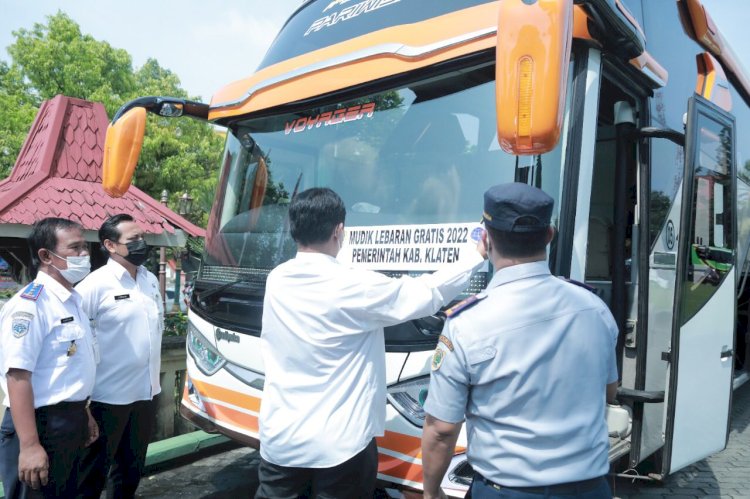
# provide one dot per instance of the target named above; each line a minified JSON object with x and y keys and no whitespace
{"x":517,"y":207}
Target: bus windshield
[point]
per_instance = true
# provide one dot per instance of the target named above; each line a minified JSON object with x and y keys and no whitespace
{"x":417,"y":155}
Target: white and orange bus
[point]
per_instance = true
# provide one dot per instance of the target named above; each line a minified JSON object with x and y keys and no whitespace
{"x":628,"y":113}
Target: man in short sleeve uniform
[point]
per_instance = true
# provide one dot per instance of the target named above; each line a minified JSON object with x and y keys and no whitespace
{"x":323,"y":349}
{"x":48,"y":363}
{"x":527,"y":363}
{"x":122,"y":299}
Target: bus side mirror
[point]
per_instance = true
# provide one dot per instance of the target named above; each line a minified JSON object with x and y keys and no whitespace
{"x":532,"y":64}
{"x":121,"y":151}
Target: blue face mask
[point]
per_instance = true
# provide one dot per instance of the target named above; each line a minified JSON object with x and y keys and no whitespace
{"x":78,"y":268}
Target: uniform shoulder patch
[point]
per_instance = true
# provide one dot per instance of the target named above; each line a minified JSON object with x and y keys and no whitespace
{"x":446,"y":341}
{"x":437,"y":359}
{"x":464,"y":305}
{"x":578,"y":283}
{"x":20,"y":322}
{"x":32,"y":291}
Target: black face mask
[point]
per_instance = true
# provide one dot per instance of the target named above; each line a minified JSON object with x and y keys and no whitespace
{"x":137,"y":252}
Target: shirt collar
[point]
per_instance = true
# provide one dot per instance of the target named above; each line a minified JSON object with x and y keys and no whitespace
{"x":54,"y":287}
{"x":118,"y":270}
{"x":518,"y":272}
{"x":306,"y":256}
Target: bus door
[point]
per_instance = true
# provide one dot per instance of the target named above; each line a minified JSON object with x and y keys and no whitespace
{"x":701,"y":356}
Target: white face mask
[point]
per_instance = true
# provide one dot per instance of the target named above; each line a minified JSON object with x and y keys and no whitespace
{"x":78,"y":268}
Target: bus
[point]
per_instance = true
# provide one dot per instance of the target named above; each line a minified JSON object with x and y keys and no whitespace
{"x":628,"y":113}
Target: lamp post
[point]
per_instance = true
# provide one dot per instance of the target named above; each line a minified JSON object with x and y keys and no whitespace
{"x":163,"y":262}
{"x":186,"y":203}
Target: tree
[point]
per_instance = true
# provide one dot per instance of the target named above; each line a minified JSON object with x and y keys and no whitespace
{"x":178,"y":154}
{"x":17,"y":111}
{"x":56,"y":58}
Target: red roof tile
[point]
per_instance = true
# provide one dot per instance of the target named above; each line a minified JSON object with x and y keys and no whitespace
{"x":58,"y":173}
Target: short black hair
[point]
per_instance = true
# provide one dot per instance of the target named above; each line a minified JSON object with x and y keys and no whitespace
{"x":313,"y":214}
{"x":44,"y":236}
{"x":109,"y":230}
{"x":517,"y":244}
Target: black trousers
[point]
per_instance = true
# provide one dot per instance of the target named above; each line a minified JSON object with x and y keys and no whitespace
{"x":117,"y":459}
{"x":351,"y":479}
{"x":63,"y":430}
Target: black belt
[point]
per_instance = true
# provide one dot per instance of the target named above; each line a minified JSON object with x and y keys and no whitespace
{"x":65,"y":406}
{"x":561,"y":488}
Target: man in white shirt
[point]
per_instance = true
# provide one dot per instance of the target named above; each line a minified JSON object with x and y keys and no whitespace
{"x":47,"y":366}
{"x":122,"y":301}
{"x":323,"y":349}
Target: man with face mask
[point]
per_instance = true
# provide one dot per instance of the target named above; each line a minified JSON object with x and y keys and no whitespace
{"x":122,"y":301}
{"x":47,"y":367}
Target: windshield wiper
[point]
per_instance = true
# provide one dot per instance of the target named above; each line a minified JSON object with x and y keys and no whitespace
{"x":208,"y":293}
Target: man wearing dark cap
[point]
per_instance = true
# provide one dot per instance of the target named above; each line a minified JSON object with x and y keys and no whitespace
{"x":526,"y":363}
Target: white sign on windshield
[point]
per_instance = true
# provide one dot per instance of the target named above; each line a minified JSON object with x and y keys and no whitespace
{"x":409,"y":247}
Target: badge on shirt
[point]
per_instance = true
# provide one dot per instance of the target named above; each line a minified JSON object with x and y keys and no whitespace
{"x":446,"y":341}
{"x":20,"y":323}
{"x":437,"y":358}
{"x":66,"y":320}
{"x":121,"y":297}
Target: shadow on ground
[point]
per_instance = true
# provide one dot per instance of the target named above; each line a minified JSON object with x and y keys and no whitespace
{"x":230,"y":474}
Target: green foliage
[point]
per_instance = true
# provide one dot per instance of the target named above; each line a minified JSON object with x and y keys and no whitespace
{"x":56,"y":58}
{"x":175,"y":324}
{"x":17,"y":111}
{"x":660,"y":204}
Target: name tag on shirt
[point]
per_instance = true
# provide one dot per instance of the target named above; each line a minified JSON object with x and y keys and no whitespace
{"x":121,"y":297}
{"x":66,"y":320}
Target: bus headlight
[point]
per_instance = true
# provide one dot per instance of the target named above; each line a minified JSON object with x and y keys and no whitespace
{"x":409,"y":397}
{"x":203,"y":353}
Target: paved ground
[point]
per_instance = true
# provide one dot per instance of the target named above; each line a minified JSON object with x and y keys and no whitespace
{"x":233,"y":474}
{"x":724,"y":475}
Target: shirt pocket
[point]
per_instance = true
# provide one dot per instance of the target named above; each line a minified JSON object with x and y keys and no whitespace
{"x":67,"y":341}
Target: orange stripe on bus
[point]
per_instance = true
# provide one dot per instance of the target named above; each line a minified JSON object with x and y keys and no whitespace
{"x":398,"y":442}
{"x":395,"y":467}
{"x":231,"y":416}
{"x":320,"y":82}
{"x":406,"y":444}
{"x":228,"y":396}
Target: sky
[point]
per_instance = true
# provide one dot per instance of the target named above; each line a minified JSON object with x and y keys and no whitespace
{"x":209,"y":44}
